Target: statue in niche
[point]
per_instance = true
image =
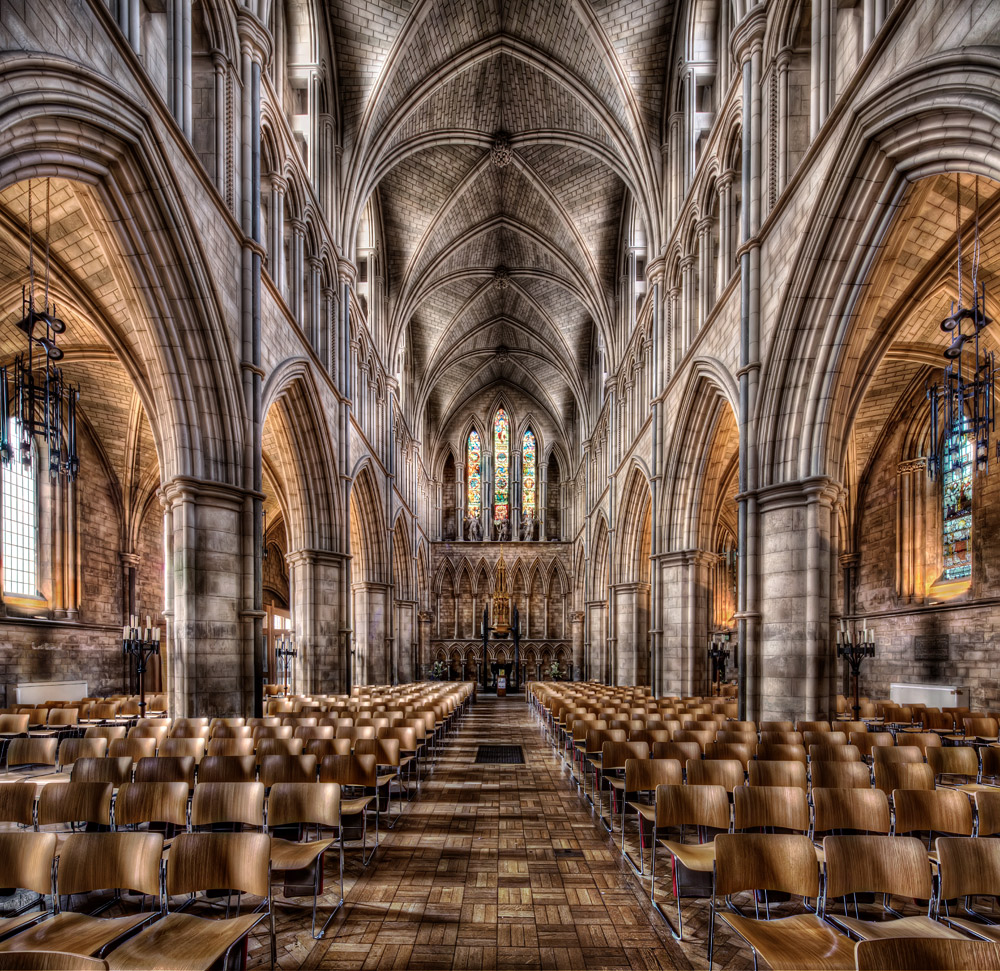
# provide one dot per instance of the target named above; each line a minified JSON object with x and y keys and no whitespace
{"x":502,"y":530}
{"x":527,"y":526}
{"x":473,"y":528}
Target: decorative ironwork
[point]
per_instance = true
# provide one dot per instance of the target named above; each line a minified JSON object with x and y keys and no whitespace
{"x":854,"y":652}
{"x":44,"y":404}
{"x":140,"y":644}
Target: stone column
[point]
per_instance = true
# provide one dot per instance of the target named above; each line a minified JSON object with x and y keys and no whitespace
{"x":706,"y":288}
{"x":276,"y":244}
{"x":726,"y":248}
{"x":784,"y":61}
{"x":312,"y":315}
{"x":689,"y":298}
{"x":296,"y":274}
{"x":576,"y":626}
{"x":314,"y":580}
{"x":371,"y":607}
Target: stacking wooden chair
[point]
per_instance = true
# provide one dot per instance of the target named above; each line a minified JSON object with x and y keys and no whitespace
{"x":781,"y":752}
{"x":312,"y":804}
{"x":189,"y":728}
{"x":727,"y":773}
{"x":110,"y":732}
{"x":75,"y":804}
{"x":701,"y":737}
{"x":287,"y":768}
{"x":227,"y":768}
{"x":987,"y":812}
{"x":230,"y":746}
{"x":926,"y":954}
{"x":158,"y":806}
{"x":26,"y":862}
{"x":824,"y":738}
{"x":308,"y":732}
{"x":834,"y":753}
{"x":72,"y":749}
{"x":923,"y":740}
{"x":17,"y":804}
{"x":786,"y":773}
{"x":31,"y":756}
{"x":642,"y":776}
{"x":408,"y":751}
{"x":592,"y":751}
{"x":851,"y":726}
{"x":785,"y":863}
{"x":178,"y":746}
{"x":812,"y":726}
{"x":278,"y":746}
{"x":321,"y":747}
{"x":614,"y":755}
{"x":87,"y":863}
{"x":165,"y":769}
{"x":742,"y":752}
{"x":866,"y":741}
{"x":200,"y":862}
{"x":896,"y":753}
{"x":272,"y":731}
{"x":705,"y":807}
{"x":770,"y":809}
{"x":947,"y":812}
{"x":838,"y":812}
{"x":156,"y":732}
{"x":890,"y":776}
{"x":681,"y":751}
{"x":981,"y":730}
{"x":841,"y":775}
{"x":969,"y":868}
{"x":133,"y":748}
{"x":955,"y":765}
{"x":777,"y":726}
{"x":117,"y":771}
{"x":229,"y":805}
{"x":358,"y":779}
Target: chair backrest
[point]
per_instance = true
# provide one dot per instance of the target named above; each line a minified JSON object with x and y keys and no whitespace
{"x":726,"y":734}
{"x":134,"y":748}
{"x":321,"y":747}
{"x":110,"y":732}
{"x":812,"y":726}
{"x":75,"y":802}
{"x":26,"y":859}
{"x":110,"y":861}
{"x":890,"y":776}
{"x":17,"y":803}
{"x":988,"y":812}
{"x":782,"y":774}
{"x":158,"y":732}
{"x":771,"y":752}
{"x":308,"y":732}
{"x":189,"y":728}
{"x":230,"y":746}
{"x":303,"y":802}
{"x":72,"y":749}
{"x":866,"y":741}
{"x":31,"y":751}
{"x":861,"y":810}
{"x":824,"y":738}
{"x":63,"y":716}
{"x":405,"y":735}
{"x":969,"y":866}
{"x":893,"y":753}
{"x":11,"y":724}
{"x":168,"y":768}
{"x":926,"y":954}
{"x":684,"y":805}
{"x":228,"y":802}
{"x":776,"y":726}
{"x":942,"y":721}
{"x":767,"y":807}
{"x":922,"y":740}
{"x":737,"y":726}
{"x":272,"y":731}
{"x":348,"y":770}
{"x":980,"y":727}
{"x":644,"y":775}
{"x":227,"y":768}
{"x":231,"y":731}
{"x":279,"y":746}
{"x":766,"y":861}
{"x":727,"y":773}
{"x":937,"y":810}
{"x":116,"y":770}
{"x":152,"y":802}
{"x":742,"y":752}
{"x":596,"y":737}
{"x":178,"y":747}
{"x":614,"y":755}
{"x":287,"y":768}
{"x":841,"y":775}
{"x":955,"y":760}
{"x":834,"y":753}
{"x":385,"y":750}
{"x":781,"y":738}
{"x":702,"y":738}
{"x":895,"y":865}
{"x":202,"y":861}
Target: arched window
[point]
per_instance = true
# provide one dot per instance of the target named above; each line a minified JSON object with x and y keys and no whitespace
{"x":474,"y":476}
{"x":957,"y":488}
{"x":501,"y":460}
{"x":529,"y":475}
{"x":20,"y":520}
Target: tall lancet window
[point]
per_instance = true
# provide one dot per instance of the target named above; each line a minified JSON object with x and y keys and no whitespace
{"x":529,"y":475}
{"x":474,"y":474}
{"x":501,"y":460}
{"x":20,"y":520}
{"x":957,"y":483}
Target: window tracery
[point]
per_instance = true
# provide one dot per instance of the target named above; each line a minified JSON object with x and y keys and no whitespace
{"x":20,"y":522}
{"x":501,"y":459}
{"x":474,"y":478}
{"x":528,"y":474}
{"x":957,"y":498}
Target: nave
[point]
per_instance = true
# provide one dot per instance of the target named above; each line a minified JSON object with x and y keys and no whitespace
{"x":496,"y":866}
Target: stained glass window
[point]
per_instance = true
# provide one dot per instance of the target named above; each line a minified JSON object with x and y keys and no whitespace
{"x":528,"y":474}
{"x":20,"y":522}
{"x":957,"y":482}
{"x":474,"y":476}
{"x":501,"y":459}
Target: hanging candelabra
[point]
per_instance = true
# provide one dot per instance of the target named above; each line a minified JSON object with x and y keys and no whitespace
{"x":43,"y":403}
{"x":962,"y":403}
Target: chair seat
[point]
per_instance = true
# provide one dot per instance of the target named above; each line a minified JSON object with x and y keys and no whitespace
{"x":351,"y":807}
{"x":76,"y":933}
{"x":695,"y":856}
{"x":289,"y":855}
{"x":990,"y":932}
{"x":876,"y":930}
{"x":381,"y":780}
{"x":181,"y":942}
{"x":970,"y":787}
{"x":645,"y":809}
{"x":10,"y":924}
{"x":802,"y":942}
{"x":615,"y":782}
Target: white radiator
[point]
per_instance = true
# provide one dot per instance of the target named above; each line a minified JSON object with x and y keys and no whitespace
{"x":36,"y":692}
{"x":931,"y":695}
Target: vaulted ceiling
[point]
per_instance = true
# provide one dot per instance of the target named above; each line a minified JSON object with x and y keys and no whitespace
{"x":503,"y":140}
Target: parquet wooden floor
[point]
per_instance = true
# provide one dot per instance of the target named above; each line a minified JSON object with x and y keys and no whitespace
{"x":493,"y":867}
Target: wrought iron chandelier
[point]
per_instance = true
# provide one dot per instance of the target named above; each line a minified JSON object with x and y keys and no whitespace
{"x":962,"y":403}
{"x":43,"y":403}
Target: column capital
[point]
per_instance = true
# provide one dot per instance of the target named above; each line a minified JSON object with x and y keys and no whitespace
{"x":255,"y":39}
{"x":748,"y":36}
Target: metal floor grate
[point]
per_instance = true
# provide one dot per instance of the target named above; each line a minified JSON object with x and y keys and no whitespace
{"x":500,"y":754}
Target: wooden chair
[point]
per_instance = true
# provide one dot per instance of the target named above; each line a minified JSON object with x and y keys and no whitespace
{"x":592,"y":751}
{"x":17,"y":804}
{"x":781,"y":738}
{"x":227,"y":768}
{"x":287,"y":768}
{"x":222,"y":730}
{"x":134,"y":748}
{"x":824,"y":738}
{"x":944,"y":811}
{"x":955,"y":765}
{"x":983,"y":730}
{"x":72,"y":749}
{"x":75,"y":803}
{"x":882,"y":754}
{"x":775,"y":752}
{"x":110,"y":732}
{"x":157,"y":732}
{"x":117,"y":771}
{"x":841,"y":775}
{"x":727,"y":773}
{"x":49,"y":961}
{"x":182,"y":747}
{"x":866,"y":741}
{"x":26,"y":861}
{"x":926,"y":954}
{"x":776,"y":726}
{"x":882,"y":865}
{"x":313,"y":731}
{"x":31,"y":754}
{"x":681,"y":751}
{"x":355,"y":774}
{"x":969,"y":868}
{"x":702,"y":738}
{"x":851,"y":726}
{"x":923,"y":741}
{"x":278,"y":746}
{"x":234,"y":804}
{"x":890,"y":776}
{"x":272,"y":731}
{"x":812,"y":726}
{"x":771,"y":808}
{"x":189,"y":728}
{"x":850,"y":811}
{"x":987,"y":812}
{"x":230,"y":747}
{"x":742,"y":752}
{"x":778,"y":774}
{"x":678,"y":806}
{"x":834,"y":753}
{"x":199,"y":862}
{"x":156,"y":805}
{"x":321,"y":747}
{"x":165,"y":769}
{"x":785,"y":863}
{"x":614,"y":755}
{"x":90,"y":862}
{"x":314,"y":804}
{"x":642,"y":776}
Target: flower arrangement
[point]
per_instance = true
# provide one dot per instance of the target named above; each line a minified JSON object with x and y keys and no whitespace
{"x":554,"y":673}
{"x":437,"y":671}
